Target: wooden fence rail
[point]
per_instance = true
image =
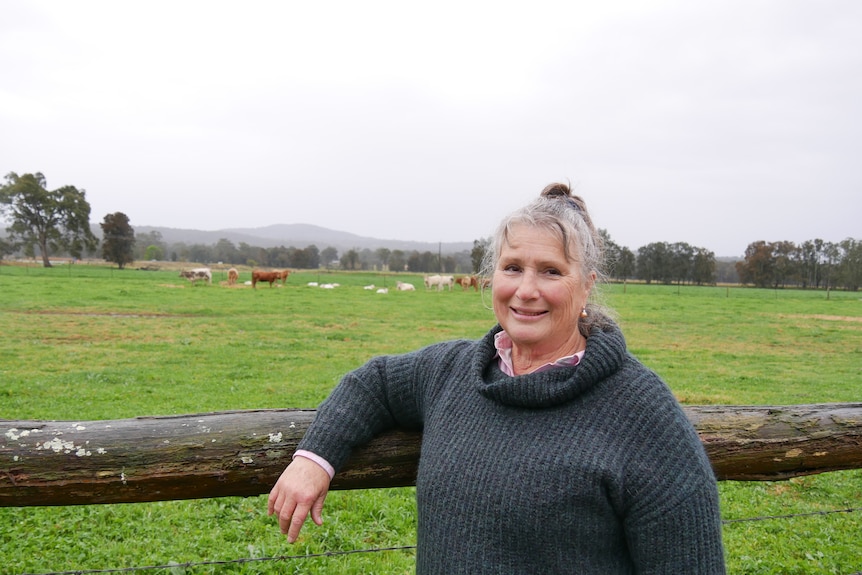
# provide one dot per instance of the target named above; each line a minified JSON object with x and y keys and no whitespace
{"x":242,"y":453}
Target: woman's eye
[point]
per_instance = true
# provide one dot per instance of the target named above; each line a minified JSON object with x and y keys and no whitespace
{"x":511,"y":268}
{"x":553,"y":272}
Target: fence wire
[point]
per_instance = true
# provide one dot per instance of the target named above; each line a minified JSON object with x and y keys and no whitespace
{"x":191,"y":564}
{"x":173,"y":565}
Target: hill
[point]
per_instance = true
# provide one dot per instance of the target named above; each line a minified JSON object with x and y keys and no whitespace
{"x":299,"y":236}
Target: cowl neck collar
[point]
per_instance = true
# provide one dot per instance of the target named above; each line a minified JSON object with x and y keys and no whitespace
{"x":605,"y":351}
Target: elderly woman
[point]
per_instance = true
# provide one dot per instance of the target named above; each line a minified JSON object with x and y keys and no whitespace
{"x":546,"y":446}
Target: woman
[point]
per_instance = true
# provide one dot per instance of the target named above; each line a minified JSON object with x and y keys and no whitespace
{"x":546,"y":446}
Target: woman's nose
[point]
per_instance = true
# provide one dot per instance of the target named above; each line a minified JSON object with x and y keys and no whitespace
{"x":528,"y":288}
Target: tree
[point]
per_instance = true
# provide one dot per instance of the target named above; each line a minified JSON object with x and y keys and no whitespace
{"x":144,"y":241}
{"x":653,"y":262}
{"x":154,"y":252}
{"x":398,"y":261}
{"x":118,"y":239}
{"x":850,"y":268}
{"x":225,"y":251}
{"x":328,"y":256}
{"x":612,"y":253}
{"x":681,"y":259}
{"x":201,"y":253}
{"x":477,"y":254}
{"x":383,"y":255}
{"x":786,"y":256}
{"x":312,"y":257}
{"x":423,"y":262}
{"x":758,"y":267}
{"x":6,"y":248}
{"x":52,"y":220}
{"x":350,"y":260}
{"x":625,"y":265}
{"x":703,"y":267}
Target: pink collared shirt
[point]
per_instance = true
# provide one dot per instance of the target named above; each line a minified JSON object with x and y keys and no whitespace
{"x":503,"y":343}
{"x":317,"y":459}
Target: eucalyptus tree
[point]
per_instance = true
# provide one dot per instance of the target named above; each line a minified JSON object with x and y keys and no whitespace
{"x":51,"y":220}
{"x":758,"y":265}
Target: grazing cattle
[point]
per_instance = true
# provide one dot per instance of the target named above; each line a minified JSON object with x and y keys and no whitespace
{"x":262,"y":276}
{"x":232,"y":276}
{"x":468,"y":281}
{"x":283,"y":275}
{"x":197,"y":274}
{"x":404,"y":286}
{"x":383,"y":290}
{"x":439,"y":281}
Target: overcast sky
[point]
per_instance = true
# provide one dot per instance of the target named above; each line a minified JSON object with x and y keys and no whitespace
{"x":712,"y":123}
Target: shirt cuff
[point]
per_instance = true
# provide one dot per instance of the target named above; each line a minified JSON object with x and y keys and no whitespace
{"x":317,"y":459}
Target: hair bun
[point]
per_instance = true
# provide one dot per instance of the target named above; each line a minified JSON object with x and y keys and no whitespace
{"x":556,"y":190}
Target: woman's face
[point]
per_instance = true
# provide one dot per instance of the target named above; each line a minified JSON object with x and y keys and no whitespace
{"x":538,"y":294}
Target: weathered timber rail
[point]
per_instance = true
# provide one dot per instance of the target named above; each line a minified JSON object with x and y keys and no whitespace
{"x":242,"y":453}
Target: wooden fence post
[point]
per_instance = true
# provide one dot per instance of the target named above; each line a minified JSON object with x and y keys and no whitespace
{"x":242,"y":453}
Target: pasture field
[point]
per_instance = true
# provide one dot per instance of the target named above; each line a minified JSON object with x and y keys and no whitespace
{"x":88,"y":342}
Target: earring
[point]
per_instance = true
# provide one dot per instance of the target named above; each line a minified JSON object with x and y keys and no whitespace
{"x":584,"y":312}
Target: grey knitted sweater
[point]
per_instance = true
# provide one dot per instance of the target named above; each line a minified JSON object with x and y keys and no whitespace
{"x":585,"y":469}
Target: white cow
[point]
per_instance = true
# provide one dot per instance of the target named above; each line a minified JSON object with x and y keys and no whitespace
{"x":404,"y":286}
{"x":439,"y":281}
{"x":203,"y":274}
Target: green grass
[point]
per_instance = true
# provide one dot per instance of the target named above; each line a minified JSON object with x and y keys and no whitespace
{"x":89,"y":342}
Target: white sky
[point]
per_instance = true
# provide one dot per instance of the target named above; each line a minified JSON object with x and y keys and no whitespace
{"x":712,"y":123}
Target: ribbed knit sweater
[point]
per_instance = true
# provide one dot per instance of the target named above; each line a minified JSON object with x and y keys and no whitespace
{"x":586,"y":469}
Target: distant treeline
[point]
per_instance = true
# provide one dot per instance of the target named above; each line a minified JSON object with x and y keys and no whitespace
{"x":814,"y":264}
{"x":151,"y":246}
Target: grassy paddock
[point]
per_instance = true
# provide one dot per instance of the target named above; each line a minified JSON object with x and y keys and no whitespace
{"x":90,"y":342}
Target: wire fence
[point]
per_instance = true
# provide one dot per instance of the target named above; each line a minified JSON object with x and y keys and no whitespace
{"x":173,"y":566}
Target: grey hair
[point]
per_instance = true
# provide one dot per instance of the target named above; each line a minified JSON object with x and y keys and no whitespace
{"x":564,"y":215}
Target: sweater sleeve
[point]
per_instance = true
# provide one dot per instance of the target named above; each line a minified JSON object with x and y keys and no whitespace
{"x":384,"y":393}
{"x":673,"y":519}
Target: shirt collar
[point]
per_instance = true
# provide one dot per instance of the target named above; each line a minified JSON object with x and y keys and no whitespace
{"x":503,"y":343}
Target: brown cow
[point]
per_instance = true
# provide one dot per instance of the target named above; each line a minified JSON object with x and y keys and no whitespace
{"x":468,"y":281}
{"x":262,"y":276}
{"x":232,"y":276}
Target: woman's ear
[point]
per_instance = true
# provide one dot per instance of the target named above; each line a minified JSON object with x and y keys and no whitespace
{"x":591,"y":281}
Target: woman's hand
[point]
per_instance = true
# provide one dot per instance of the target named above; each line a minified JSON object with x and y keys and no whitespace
{"x":300,"y":490}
